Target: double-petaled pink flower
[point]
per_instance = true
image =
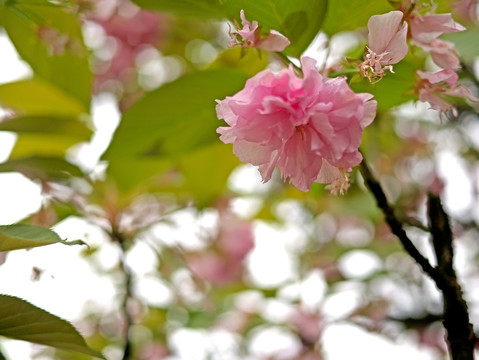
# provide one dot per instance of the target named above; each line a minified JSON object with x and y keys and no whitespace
{"x":435,"y":87}
{"x":387,"y":44}
{"x":250,"y":37}
{"x":425,"y":31}
{"x":310,"y":128}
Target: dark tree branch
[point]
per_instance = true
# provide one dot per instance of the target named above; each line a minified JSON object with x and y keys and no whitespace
{"x":394,"y":223}
{"x":128,"y":284}
{"x":460,"y":333}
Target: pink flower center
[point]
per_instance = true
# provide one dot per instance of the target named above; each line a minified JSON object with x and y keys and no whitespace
{"x":372,"y":66}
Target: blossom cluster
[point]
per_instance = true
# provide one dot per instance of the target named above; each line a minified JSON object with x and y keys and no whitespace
{"x":387,"y":45}
{"x":310,"y":127}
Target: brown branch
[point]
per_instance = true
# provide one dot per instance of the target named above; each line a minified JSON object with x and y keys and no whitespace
{"x":460,"y":333}
{"x":394,"y":223}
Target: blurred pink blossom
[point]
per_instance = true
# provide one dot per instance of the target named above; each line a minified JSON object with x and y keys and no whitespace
{"x":425,"y":31}
{"x":131,"y":29}
{"x":308,"y":325}
{"x":435,"y":87}
{"x":310,"y":127}
{"x":223,"y":263}
{"x":465,"y":10}
{"x":387,"y":44}
{"x":154,"y":351}
{"x":251,"y":37}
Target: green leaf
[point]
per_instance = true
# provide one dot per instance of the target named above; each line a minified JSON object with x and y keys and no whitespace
{"x":45,"y":135}
{"x":206,"y":171}
{"x":170,"y":121}
{"x":466,"y":43}
{"x":299,"y":20}
{"x":35,"y":96}
{"x":346,"y":15}
{"x":21,"y":320}
{"x":38,"y":167}
{"x":129,"y":172}
{"x":24,"y":236}
{"x":394,"y":88}
{"x":251,"y":62}
{"x":69,"y":70}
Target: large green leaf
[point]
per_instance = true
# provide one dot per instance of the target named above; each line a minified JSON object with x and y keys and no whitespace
{"x":299,"y":20}
{"x":346,"y":15}
{"x":36,"y":96}
{"x":24,"y":236}
{"x":45,"y":135}
{"x":69,"y":70}
{"x":207,"y":170}
{"x":41,"y":167}
{"x":170,"y":121}
{"x":23,"y":321}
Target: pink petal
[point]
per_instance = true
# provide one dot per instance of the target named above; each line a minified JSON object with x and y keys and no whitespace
{"x":253,"y":153}
{"x":463,"y":92}
{"x":447,"y":75}
{"x":248,"y":30}
{"x":382,"y":29}
{"x":370,"y":108}
{"x":436,"y":102}
{"x":275,"y":41}
{"x":397,"y":49}
{"x":442,"y":52}
{"x":429,"y":27}
{"x":328,"y":173}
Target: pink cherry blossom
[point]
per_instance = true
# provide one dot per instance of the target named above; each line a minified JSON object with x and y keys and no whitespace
{"x":387,"y":44}
{"x":310,"y":128}
{"x":251,"y":37}
{"x":425,"y":31}
{"x":435,"y":87}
